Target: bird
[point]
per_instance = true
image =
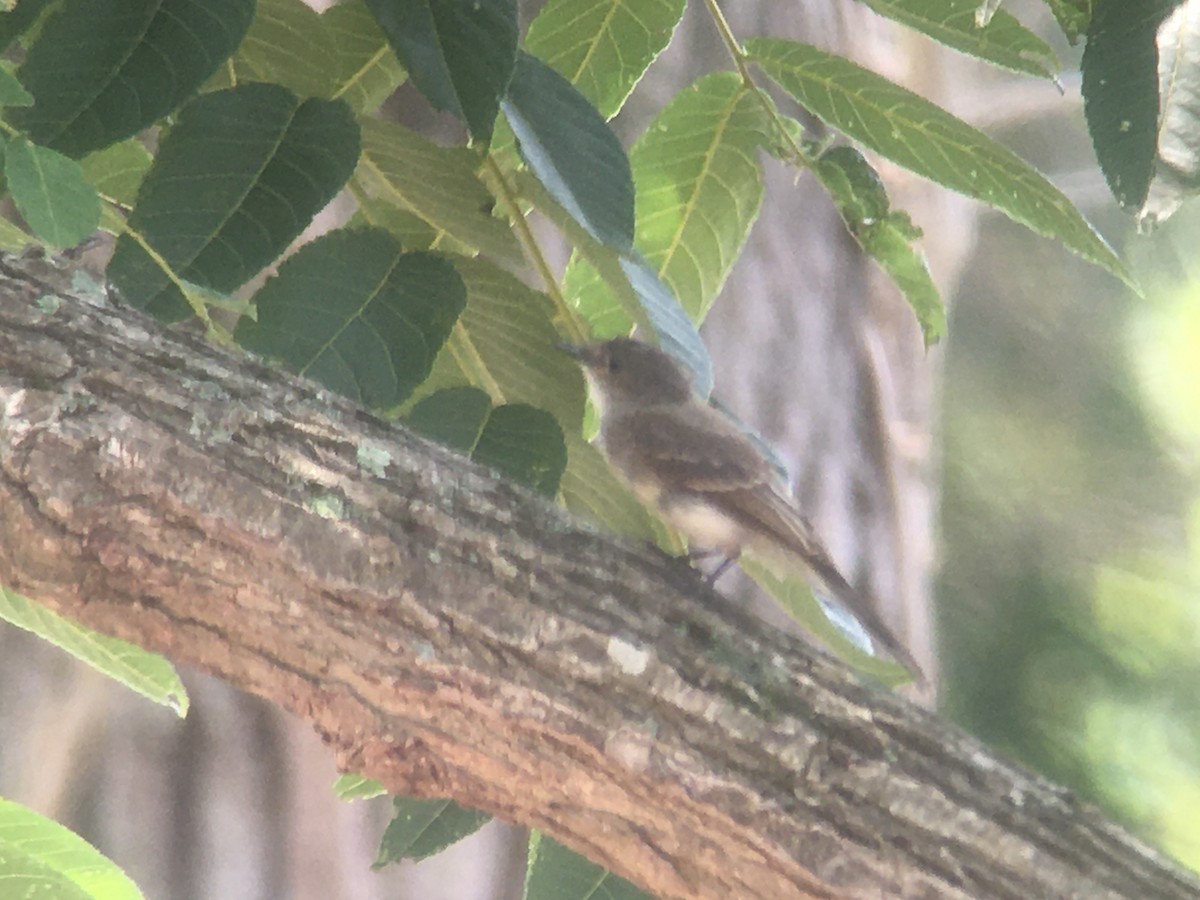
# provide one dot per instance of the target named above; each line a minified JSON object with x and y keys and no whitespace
{"x":705,"y":475}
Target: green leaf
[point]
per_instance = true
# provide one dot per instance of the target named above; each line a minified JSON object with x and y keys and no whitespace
{"x":556,"y":873}
{"x":1073,"y":16}
{"x":1120,"y":93}
{"x":523,"y":443}
{"x":643,"y":297}
{"x":353,"y":312}
{"x":364,"y":67}
{"x":437,"y":184}
{"x":519,"y":441}
{"x":18,"y":20}
{"x":1003,"y":40}
{"x":349,"y":786}
{"x":699,"y":191}
{"x":459,"y":55}
{"x":288,"y":45}
{"x":920,"y":136}
{"x":40,"y":858}
{"x":453,"y":417}
{"x":146,"y":673}
{"x":885,"y":234}
{"x":421,"y":828}
{"x":13,"y":239}
{"x":1177,"y":159}
{"x":288,"y":35}
{"x":102,"y":70}
{"x":573,"y":153}
{"x":12,"y":92}
{"x":504,"y":342}
{"x":591,"y":489}
{"x":48,"y":188}
{"x":699,"y":186}
{"x":603,"y":47}
{"x":268,"y":162}
{"x":118,"y":171}
{"x":794,"y":595}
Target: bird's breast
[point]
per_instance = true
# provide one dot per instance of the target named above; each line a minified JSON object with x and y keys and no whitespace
{"x":704,"y":525}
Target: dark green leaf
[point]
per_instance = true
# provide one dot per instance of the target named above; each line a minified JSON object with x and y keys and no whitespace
{"x":1120,"y":92}
{"x":268,"y":163}
{"x":926,"y":139}
{"x":525,"y":444}
{"x":1003,"y":40}
{"x":353,"y":312}
{"x":102,"y":70}
{"x":568,"y":146}
{"x":556,"y":873}
{"x":60,"y":207}
{"x":603,"y":47}
{"x":453,"y":417}
{"x":421,"y":828}
{"x":886,"y":235}
{"x":519,"y":441}
{"x":460,"y":55}
{"x":16,"y":21}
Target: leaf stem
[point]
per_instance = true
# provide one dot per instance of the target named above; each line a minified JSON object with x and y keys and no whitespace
{"x":800,"y":156}
{"x":506,"y":194}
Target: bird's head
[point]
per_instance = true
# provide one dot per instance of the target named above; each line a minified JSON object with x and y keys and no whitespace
{"x":625,"y":371}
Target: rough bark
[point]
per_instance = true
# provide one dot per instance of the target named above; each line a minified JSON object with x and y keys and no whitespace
{"x":453,"y":635}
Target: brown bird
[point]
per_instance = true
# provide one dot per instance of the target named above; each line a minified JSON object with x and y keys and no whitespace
{"x":705,"y":475}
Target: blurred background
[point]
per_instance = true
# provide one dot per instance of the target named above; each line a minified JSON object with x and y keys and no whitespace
{"x":1025,"y":498}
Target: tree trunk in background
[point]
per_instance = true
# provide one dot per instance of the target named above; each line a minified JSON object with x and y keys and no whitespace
{"x":811,"y":346}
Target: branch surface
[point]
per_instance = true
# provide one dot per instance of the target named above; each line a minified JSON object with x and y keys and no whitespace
{"x":453,"y":635}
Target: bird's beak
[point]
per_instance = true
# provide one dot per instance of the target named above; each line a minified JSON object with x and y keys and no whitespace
{"x":579,"y":353}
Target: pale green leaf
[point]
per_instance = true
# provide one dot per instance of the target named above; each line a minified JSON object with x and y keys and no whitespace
{"x":350,"y":786}
{"x":603,"y":47}
{"x":793,"y":593}
{"x":364,"y":68}
{"x":117,"y":172}
{"x":503,"y":343}
{"x":147,"y":673}
{"x":916,"y":134}
{"x":699,"y":190}
{"x":437,"y":184}
{"x":36,"y":851}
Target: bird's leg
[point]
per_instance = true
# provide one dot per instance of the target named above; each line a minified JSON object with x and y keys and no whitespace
{"x":722,"y":568}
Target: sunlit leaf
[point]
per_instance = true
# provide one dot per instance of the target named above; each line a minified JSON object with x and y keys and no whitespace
{"x":146,"y":673}
{"x":916,"y":134}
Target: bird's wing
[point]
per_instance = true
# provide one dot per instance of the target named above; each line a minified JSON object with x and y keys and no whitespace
{"x":694,"y":449}
{"x":699,"y":451}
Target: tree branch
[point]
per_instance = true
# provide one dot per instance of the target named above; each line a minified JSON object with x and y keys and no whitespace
{"x":453,"y":635}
